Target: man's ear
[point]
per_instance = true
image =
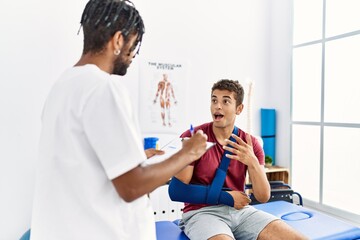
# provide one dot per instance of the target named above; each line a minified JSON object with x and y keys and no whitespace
{"x":117,"y":41}
{"x":239,"y":109}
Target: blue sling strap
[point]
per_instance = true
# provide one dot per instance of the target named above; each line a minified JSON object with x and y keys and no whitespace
{"x":197,"y":194}
{"x":218,"y":181}
{"x":200,"y":194}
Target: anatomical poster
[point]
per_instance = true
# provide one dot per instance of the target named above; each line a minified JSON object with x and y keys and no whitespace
{"x":162,"y":102}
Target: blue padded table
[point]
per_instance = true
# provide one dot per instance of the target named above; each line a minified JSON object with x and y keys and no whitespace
{"x":311,"y":223}
{"x":167,"y":230}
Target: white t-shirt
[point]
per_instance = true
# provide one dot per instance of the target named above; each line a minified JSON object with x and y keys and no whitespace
{"x":89,"y":136}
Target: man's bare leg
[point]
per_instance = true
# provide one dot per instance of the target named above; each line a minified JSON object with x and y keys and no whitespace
{"x":279,"y":230}
{"x":221,"y":237}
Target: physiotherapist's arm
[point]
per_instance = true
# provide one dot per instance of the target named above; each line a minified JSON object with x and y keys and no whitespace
{"x":105,"y":122}
{"x":144,"y":179}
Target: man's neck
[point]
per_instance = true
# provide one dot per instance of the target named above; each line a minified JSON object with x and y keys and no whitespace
{"x":222,"y":133}
{"x":97,"y":60}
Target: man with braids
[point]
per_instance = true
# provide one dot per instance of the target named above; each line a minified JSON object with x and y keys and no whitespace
{"x":91,"y":181}
{"x":240,"y":221}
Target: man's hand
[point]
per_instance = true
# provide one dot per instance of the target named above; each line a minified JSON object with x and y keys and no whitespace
{"x":241,"y":151}
{"x":240,"y":199}
{"x":152,"y":151}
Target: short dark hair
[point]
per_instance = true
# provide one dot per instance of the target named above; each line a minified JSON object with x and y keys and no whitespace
{"x":101,"y":19}
{"x":232,"y":86}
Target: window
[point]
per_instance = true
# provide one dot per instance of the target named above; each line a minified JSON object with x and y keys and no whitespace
{"x":325,"y":105}
{"x":307,"y":83}
{"x":342,"y":80}
{"x":341,"y":168}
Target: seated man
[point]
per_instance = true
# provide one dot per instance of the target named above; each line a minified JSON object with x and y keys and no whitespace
{"x":241,"y":221}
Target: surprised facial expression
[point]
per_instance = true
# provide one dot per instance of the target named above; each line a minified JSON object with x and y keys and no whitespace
{"x":223,"y":108}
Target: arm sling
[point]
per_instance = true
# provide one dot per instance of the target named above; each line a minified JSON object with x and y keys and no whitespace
{"x":201,"y":194}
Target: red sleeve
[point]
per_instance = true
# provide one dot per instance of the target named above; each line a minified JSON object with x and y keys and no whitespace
{"x":186,"y":134}
{"x":258,"y":150}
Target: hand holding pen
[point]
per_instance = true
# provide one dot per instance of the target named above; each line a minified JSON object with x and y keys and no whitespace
{"x":191,"y":130}
{"x":196,"y":145}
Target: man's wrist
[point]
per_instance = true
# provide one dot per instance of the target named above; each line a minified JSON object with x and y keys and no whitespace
{"x":254,"y":165}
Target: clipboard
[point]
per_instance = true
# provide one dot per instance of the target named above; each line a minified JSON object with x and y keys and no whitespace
{"x":170,"y":149}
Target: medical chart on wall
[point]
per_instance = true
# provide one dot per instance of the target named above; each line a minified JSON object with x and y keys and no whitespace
{"x":163,"y":99}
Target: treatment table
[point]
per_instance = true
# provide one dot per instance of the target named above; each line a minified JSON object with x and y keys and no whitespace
{"x":311,"y":223}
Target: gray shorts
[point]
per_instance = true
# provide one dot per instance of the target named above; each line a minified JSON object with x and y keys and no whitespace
{"x":207,"y":222}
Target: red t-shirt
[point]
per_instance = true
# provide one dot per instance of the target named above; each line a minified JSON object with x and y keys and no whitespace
{"x":205,"y":167}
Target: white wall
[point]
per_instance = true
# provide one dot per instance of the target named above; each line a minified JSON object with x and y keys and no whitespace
{"x":38,"y":41}
{"x":280,"y":76}
{"x":228,"y":39}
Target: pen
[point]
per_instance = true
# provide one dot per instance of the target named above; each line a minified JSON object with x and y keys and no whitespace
{"x":191,"y":129}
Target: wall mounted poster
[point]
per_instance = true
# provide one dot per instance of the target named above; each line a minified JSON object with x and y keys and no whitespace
{"x":162,"y":96}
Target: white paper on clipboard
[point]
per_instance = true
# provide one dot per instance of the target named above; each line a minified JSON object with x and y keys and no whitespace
{"x":170,"y":149}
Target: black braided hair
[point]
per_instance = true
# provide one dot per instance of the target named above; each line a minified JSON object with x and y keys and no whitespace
{"x":232,"y":86}
{"x":101,"y":19}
